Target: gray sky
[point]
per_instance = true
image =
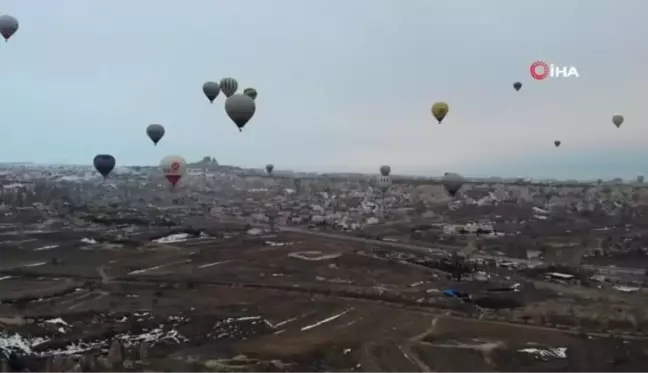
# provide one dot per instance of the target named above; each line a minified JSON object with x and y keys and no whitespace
{"x":343,"y":85}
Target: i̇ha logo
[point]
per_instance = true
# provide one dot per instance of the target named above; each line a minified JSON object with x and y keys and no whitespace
{"x":541,"y":70}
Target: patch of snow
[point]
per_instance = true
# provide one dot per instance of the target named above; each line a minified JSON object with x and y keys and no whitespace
{"x":17,"y":344}
{"x":313,"y":255}
{"x":30,"y":265}
{"x":48,"y":247}
{"x":20,"y":345}
{"x":557,"y":352}
{"x":538,"y":210}
{"x":308,"y":327}
{"x":89,"y":241}
{"x":627,"y":289}
{"x":214,"y":264}
{"x":245,"y":318}
{"x":285,"y":322}
{"x":56,"y":321}
{"x":173,"y":238}
{"x":372,"y":221}
{"x":155,"y":335}
{"x":271,"y":243}
{"x":564,"y":276}
{"x":144,"y":270}
{"x":254,"y":231}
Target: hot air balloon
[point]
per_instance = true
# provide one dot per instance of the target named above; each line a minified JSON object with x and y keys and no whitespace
{"x":384,"y":182}
{"x":104,"y":164}
{"x":155,"y":132}
{"x":250,"y":92}
{"x":240,"y":109}
{"x":173,"y":168}
{"x":517,"y":86}
{"x":269,"y":168}
{"x":211,"y":90}
{"x":452,"y":183}
{"x":385,"y":170}
{"x":8,"y":26}
{"x":617,"y":120}
{"x":440,"y":110}
{"x":228,"y":86}
{"x":557,"y":143}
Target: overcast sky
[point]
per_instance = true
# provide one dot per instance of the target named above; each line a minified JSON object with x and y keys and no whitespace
{"x":343,"y":85}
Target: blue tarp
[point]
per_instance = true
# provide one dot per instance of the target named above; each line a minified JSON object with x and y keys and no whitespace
{"x":455,"y":293}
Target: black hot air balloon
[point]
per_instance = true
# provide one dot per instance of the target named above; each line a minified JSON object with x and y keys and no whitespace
{"x":452,"y":183}
{"x":155,"y":132}
{"x":240,"y":108}
{"x":104,"y":163}
{"x":211,"y":90}
{"x":8,"y":26}
{"x":517,"y":86}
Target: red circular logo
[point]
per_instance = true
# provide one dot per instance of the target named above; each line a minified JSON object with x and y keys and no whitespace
{"x":539,"y":70}
{"x":175,"y":166}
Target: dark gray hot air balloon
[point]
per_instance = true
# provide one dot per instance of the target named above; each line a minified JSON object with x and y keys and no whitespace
{"x":269,"y":168}
{"x":155,"y":132}
{"x":240,"y":108}
{"x":452,"y":183}
{"x":557,"y":143}
{"x":211,"y":90}
{"x":228,"y":86}
{"x":618,"y":120}
{"x":385,"y":170}
{"x":8,"y":26}
{"x":104,"y":163}
{"x":517,"y":86}
{"x":250,"y":92}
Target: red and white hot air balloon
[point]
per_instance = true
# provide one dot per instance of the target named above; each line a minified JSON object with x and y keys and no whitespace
{"x":174,"y":168}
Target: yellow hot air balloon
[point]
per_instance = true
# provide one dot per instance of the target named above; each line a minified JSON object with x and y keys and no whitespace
{"x":440,"y":110}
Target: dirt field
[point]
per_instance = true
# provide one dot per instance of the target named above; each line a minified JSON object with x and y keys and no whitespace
{"x":280,"y":303}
